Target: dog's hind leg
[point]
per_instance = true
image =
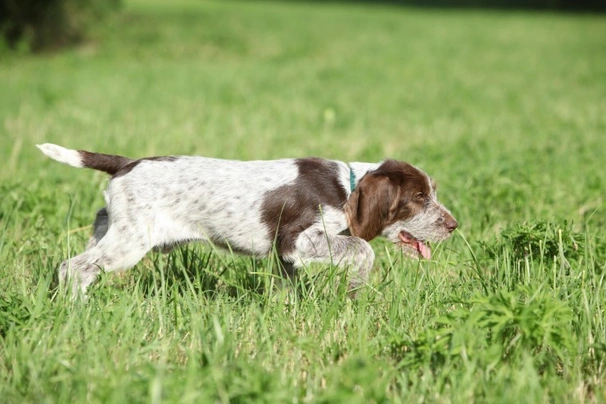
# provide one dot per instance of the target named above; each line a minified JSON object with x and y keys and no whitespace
{"x":99,"y":228}
{"x":112,"y":252}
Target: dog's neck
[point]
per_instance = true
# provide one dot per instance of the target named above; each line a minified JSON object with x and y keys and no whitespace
{"x":359,"y":170}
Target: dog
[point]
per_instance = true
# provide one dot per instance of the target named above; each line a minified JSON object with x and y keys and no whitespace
{"x":305,"y":209}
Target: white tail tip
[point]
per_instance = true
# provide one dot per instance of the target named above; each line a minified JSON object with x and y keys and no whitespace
{"x":61,"y":154}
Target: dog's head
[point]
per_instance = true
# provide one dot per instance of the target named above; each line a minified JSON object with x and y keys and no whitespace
{"x":398,"y":201}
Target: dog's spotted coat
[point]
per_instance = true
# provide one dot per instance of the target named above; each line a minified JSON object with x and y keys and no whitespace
{"x":304,"y":208}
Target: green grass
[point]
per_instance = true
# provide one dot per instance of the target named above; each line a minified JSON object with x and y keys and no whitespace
{"x":506,"y":111}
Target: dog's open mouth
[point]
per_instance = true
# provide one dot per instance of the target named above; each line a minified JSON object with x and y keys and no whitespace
{"x":415,"y":246}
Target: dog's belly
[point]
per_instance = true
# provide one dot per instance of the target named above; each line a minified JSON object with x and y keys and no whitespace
{"x":245,"y":234}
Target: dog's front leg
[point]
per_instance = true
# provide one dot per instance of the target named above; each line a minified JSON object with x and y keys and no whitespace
{"x":353,"y":253}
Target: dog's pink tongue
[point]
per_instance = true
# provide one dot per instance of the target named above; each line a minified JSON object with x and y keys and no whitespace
{"x":424,"y":250}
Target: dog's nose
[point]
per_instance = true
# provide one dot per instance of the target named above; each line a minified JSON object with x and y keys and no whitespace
{"x":450,"y":223}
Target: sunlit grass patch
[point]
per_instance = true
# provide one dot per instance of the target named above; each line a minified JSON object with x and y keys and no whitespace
{"x":504,"y":110}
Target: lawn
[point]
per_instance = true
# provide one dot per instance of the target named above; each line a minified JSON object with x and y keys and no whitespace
{"x":506,"y":110}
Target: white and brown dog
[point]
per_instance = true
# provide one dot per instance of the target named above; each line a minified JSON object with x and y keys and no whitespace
{"x":307,"y":210}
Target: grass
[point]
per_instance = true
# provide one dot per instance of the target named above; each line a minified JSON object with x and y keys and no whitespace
{"x":505,"y":110}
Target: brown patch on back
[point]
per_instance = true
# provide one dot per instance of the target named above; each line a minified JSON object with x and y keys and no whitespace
{"x":395,"y":191}
{"x":134,"y":163}
{"x":290,"y":209}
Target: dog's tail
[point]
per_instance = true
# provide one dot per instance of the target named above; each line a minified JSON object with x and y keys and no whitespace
{"x":79,"y":158}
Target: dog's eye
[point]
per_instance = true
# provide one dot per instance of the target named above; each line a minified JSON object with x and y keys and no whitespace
{"x":420,"y":196}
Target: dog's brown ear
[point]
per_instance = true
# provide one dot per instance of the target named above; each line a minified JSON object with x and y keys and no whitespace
{"x":371,"y":206}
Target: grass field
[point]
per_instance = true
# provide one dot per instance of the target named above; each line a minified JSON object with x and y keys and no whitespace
{"x":507,"y":111}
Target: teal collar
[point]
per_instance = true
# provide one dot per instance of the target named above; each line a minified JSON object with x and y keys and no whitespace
{"x":352,"y":179}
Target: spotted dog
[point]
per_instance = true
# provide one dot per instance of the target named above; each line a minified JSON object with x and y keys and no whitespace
{"x":306,"y":209}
